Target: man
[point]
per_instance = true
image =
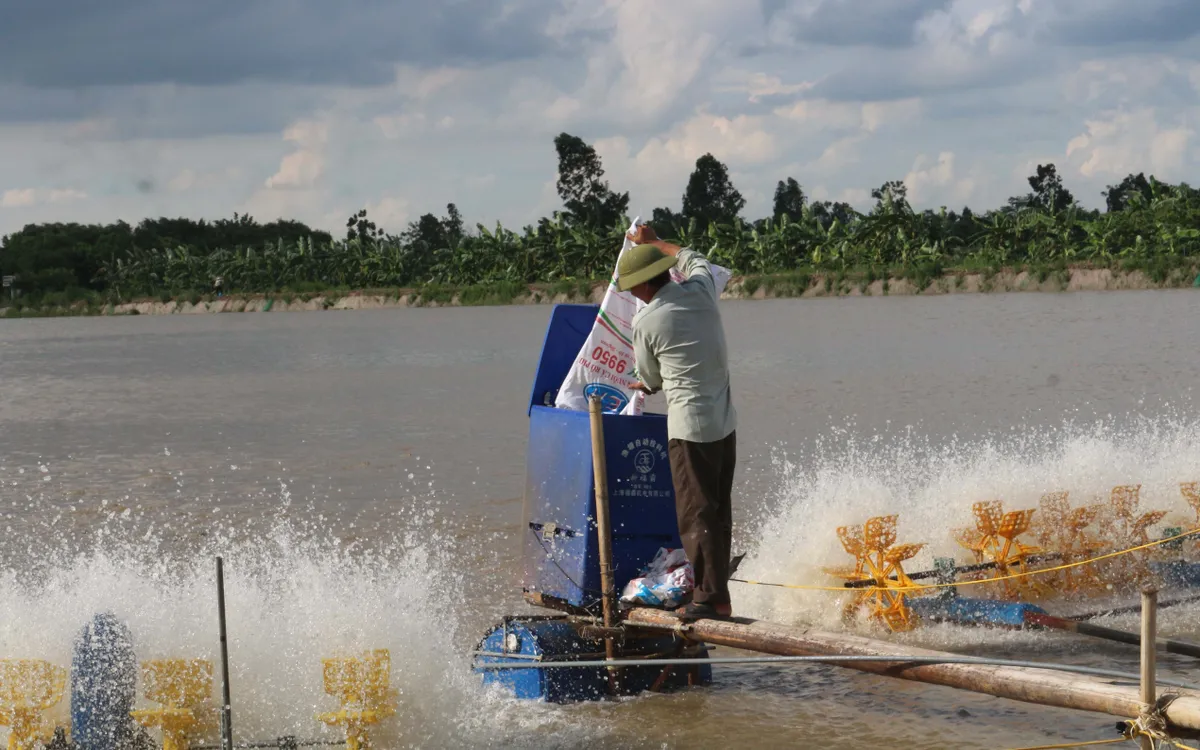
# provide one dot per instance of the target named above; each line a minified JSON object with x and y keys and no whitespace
{"x":679,"y":347}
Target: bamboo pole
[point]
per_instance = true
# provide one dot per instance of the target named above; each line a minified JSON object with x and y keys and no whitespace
{"x":226,"y":706}
{"x":1015,"y":683}
{"x":1149,"y":633}
{"x":603,"y":527}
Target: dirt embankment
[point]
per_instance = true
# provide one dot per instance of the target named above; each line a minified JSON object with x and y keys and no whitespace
{"x":347,"y":301}
{"x":1069,"y":280}
{"x":764,"y":287}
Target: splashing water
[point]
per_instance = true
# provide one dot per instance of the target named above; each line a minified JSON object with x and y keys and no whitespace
{"x":847,"y":479}
{"x":296,"y":592}
{"x":300,"y":587}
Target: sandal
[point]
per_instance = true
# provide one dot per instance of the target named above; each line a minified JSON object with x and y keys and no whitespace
{"x":694,"y":611}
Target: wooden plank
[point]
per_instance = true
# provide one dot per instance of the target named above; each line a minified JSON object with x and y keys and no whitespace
{"x":1028,"y":685}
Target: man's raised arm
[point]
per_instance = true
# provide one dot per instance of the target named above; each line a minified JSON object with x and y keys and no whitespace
{"x":691,"y":263}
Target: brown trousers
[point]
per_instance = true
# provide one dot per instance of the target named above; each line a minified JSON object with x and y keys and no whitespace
{"x":703,"y":476}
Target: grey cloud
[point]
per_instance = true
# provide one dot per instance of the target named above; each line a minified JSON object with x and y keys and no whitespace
{"x":21,"y":104}
{"x":1098,"y":23}
{"x":81,"y":43}
{"x":876,"y":23}
{"x":771,"y":7}
{"x":906,"y":77}
{"x":165,"y":111}
{"x":1112,"y":28}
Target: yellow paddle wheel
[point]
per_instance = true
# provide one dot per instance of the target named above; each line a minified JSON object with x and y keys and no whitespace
{"x":1122,"y":527}
{"x":1191,"y":495}
{"x":1062,"y":530}
{"x":995,"y":540}
{"x":879,"y":560}
{"x":28,"y":688}
{"x":362,"y":685}
{"x":181,"y":687}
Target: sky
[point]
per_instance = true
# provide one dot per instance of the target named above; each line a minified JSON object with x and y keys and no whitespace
{"x":311,"y":109}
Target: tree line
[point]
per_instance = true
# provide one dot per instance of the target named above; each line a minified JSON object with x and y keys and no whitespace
{"x":1146,"y":223}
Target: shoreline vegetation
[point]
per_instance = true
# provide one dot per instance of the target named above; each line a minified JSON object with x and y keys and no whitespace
{"x":1147,"y":236}
{"x":812,"y":284}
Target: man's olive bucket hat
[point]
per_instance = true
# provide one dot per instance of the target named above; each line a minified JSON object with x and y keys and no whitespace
{"x":641,"y":263}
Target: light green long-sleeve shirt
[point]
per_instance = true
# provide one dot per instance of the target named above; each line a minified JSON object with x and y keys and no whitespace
{"x":679,"y":345}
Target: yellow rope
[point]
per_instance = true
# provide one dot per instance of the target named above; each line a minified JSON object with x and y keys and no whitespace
{"x":1133,"y":730}
{"x":1074,"y":744}
{"x":929,"y":586}
{"x":1098,"y":742}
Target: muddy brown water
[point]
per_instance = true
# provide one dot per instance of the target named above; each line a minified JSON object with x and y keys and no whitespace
{"x":361,"y":471}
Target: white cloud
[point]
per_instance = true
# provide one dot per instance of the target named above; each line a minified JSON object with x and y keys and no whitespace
{"x":759,"y":85}
{"x":859,"y":198}
{"x":659,"y":169}
{"x":563,"y":108}
{"x":845,"y":128}
{"x":841,"y":153}
{"x":427,"y":84}
{"x":183,"y":181}
{"x":662,"y":47}
{"x":400,"y":125}
{"x":972,"y":24}
{"x":1122,"y":142}
{"x":931,"y":181}
{"x":823,"y":114}
{"x":29,"y":197}
{"x":298,"y":169}
{"x":877,"y":114}
{"x":855,"y":196}
{"x":302,"y":167}
{"x":18,"y":198}
{"x":1115,"y":81}
{"x":390,"y":212}
{"x":840,"y":94}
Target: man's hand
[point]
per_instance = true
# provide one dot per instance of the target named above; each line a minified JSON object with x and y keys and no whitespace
{"x":639,"y":386}
{"x":643,"y":235}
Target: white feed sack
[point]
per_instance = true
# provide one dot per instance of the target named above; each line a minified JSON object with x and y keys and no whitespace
{"x":605,"y":364}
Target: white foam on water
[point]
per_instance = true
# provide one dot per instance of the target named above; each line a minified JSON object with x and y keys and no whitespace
{"x":297,"y":591}
{"x":294,"y":594}
{"x":846,"y":479}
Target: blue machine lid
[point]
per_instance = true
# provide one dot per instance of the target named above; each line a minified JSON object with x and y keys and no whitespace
{"x":569,"y":327}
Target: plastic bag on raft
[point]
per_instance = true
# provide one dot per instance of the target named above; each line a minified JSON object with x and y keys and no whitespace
{"x":605,"y":365}
{"x":666,"y":582}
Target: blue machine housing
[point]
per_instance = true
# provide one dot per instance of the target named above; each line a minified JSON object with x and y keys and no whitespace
{"x":966,"y":611}
{"x":561,"y":568}
{"x":103,"y":685}
{"x":529,"y":639}
{"x":532,"y":639}
{"x":1178,"y":573}
{"x":560,"y":552}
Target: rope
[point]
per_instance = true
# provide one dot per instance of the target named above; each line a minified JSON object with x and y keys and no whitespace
{"x":1151,"y":724}
{"x":932,"y":586}
{"x":1074,"y":744}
